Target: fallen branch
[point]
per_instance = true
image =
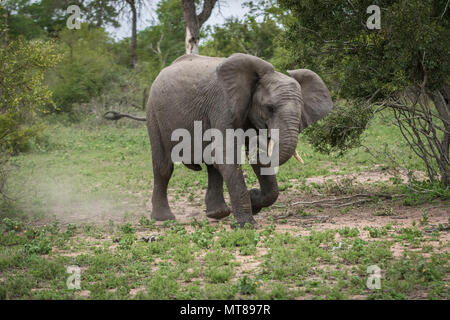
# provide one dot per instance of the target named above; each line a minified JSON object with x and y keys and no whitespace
{"x":351,"y":203}
{"x":287,"y":215}
{"x":366,"y":195}
{"x":337,"y":202}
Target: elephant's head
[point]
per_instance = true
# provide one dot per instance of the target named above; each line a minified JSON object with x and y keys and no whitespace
{"x":272,"y":100}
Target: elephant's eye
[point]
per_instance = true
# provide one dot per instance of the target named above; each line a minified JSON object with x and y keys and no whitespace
{"x":270,"y":108}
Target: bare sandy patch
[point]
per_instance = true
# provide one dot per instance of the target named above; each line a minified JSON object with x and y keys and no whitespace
{"x":375,"y":175}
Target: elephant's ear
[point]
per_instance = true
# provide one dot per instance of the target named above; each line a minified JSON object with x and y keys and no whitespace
{"x":238,"y":76}
{"x":316,"y":97}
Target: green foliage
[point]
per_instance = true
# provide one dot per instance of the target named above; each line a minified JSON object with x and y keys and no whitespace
{"x":245,"y":239}
{"x":22,"y":92}
{"x":127,"y":228}
{"x":11,"y":224}
{"x":219,"y":265}
{"x":410,"y":49}
{"x":378,"y":232}
{"x":38,"y":246}
{"x":386,"y":59}
{"x":349,"y":232}
{"x":247,"y":285}
{"x":160,"y":44}
{"x":424,"y":192}
{"x":45,"y":18}
{"x":247,"y":36}
{"x":86,"y":70}
{"x":341,"y":130}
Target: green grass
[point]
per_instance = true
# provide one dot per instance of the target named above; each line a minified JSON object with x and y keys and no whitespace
{"x":175,"y":266}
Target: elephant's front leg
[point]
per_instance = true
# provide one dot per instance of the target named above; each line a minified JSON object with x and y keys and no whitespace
{"x":267,"y":195}
{"x":240,"y":197}
{"x":216,"y":207}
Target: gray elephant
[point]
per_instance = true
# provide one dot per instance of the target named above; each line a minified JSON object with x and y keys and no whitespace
{"x":241,"y":91}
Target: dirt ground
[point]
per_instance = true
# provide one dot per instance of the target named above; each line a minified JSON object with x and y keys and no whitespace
{"x":362,"y":215}
{"x":287,"y":216}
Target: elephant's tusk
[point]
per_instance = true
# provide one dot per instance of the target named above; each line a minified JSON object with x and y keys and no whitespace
{"x":298,"y":158}
{"x":270,"y":148}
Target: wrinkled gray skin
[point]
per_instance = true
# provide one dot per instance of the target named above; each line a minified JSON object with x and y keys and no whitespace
{"x":241,"y":91}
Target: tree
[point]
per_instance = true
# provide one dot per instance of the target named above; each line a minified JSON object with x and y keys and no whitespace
{"x":133,"y":10}
{"x":163,"y":42}
{"x":38,"y":19}
{"x":247,"y":36}
{"x":194,"y":22}
{"x":87,"y":67}
{"x":403,"y":66}
{"x":101,"y":12}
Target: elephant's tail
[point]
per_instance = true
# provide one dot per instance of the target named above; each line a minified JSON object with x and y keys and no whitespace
{"x":112,"y":115}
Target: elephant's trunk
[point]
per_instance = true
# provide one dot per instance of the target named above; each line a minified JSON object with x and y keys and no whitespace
{"x":288,"y":136}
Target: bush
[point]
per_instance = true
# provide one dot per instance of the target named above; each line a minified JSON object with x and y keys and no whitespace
{"x":341,"y":130}
{"x":86,"y":70}
{"x":404,"y":66}
{"x":23,"y":94}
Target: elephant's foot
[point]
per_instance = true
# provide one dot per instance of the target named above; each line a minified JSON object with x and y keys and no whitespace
{"x":218,"y":212}
{"x":162,"y":215}
{"x":260,"y":200}
{"x":245,"y":222}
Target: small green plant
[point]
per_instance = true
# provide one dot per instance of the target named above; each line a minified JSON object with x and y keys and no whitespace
{"x":376,"y":232}
{"x":70,"y":231}
{"x":126,"y":241}
{"x":53,"y":228}
{"x":304,"y":213}
{"x":219,"y":274}
{"x":349,"y":232}
{"x":38,"y":246}
{"x":247,"y":285}
{"x":385,"y":212}
{"x":344,"y":210}
{"x":10,"y":224}
{"x":424,"y":219}
{"x":127,"y":228}
{"x":146,"y":222}
{"x":202,"y":239}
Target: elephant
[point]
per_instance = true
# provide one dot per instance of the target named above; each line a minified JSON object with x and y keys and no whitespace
{"x":238,"y":92}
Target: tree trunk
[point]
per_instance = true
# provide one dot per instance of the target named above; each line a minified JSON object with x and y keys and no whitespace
{"x":6,"y":27}
{"x":441,"y":100}
{"x":133,"y":57}
{"x":194,"y":23}
{"x":192,"y":26}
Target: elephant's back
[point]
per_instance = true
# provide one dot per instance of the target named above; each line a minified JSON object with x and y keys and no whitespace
{"x":181,"y":94}
{"x":197,"y":58}
{"x":188,"y":70}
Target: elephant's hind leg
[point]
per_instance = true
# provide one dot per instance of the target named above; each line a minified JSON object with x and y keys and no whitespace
{"x":216,"y":207}
{"x":161,"y":210}
{"x":162,"y":171}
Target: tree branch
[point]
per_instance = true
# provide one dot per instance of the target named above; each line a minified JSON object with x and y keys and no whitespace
{"x":208,"y":6}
